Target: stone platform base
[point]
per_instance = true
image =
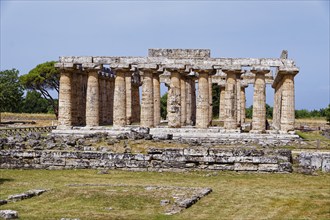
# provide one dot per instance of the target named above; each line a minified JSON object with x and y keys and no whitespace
{"x":214,"y":135}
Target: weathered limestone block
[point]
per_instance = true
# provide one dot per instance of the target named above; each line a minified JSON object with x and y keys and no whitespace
{"x":92,"y":99}
{"x":119,"y":110}
{"x":174,"y":101}
{"x":8,"y":214}
{"x":147,"y":101}
{"x":203,"y":104}
{"x":65,"y":100}
{"x":179,"y":53}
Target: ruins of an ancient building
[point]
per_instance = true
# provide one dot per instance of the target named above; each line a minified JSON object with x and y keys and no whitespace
{"x":104,"y":90}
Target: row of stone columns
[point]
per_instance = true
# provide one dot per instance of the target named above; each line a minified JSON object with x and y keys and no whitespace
{"x":91,"y":99}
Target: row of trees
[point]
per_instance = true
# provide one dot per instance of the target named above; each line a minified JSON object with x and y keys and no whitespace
{"x":29,"y":93}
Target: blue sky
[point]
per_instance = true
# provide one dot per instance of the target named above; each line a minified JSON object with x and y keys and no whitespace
{"x":33,"y":32}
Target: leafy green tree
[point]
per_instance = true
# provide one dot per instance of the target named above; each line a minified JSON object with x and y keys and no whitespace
{"x":163,"y":106}
{"x":269,"y":111}
{"x":43,"y":78}
{"x":34,"y":103}
{"x":327,"y":113}
{"x":248,"y":112}
{"x":303,"y":113}
{"x":11,"y":91}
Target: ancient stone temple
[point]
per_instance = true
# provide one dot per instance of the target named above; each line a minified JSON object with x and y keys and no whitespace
{"x":119,"y":91}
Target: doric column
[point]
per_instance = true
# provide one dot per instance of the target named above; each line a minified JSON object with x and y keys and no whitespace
{"x":111,"y":92}
{"x":147,"y":101}
{"x":183,"y":101}
{"x":277,"y":107}
{"x":92,"y":99}
{"x":103,"y":100}
{"x":259,"y":100}
{"x":74,"y":97}
{"x":193,"y":101}
{"x":136,"y":103}
{"x":174,"y":97}
{"x":79,"y":98}
{"x":84,"y":79}
{"x":107,"y":102}
{"x":222,"y":103}
{"x":238,"y":100}
{"x":119,"y":101}
{"x":156,"y":90}
{"x":188,"y":102}
{"x":232,"y":72}
{"x":65,"y":99}
{"x":210,"y":101}
{"x":203,"y":104}
{"x":128,"y":81}
{"x":287,"y":116}
{"x":243,"y":101}
{"x":284,"y":86}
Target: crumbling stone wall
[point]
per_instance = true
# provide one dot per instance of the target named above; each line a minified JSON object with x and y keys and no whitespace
{"x":156,"y":159}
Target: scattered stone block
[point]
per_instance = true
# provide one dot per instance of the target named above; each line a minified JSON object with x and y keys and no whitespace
{"x":8,"y":214}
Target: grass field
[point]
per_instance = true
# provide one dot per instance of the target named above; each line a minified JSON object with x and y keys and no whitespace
{"x":40,"y":119}
{"x":234,"y":196}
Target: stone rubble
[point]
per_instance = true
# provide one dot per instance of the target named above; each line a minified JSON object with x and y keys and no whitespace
{"x":8,"y":214}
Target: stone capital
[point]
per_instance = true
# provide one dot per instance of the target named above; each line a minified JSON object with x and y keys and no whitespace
{"x":175,"y":67}
{"x":260,"y":69}
{"x":236,"y":69}
{"x":209,"y":70}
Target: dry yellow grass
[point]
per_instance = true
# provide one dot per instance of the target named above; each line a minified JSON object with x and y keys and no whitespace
{"x":40,"y":118}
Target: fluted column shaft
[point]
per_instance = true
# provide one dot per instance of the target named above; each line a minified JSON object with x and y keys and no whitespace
{"x":238,"y":99}
{"x":65,"y":99}
{"x":92,"y":99}
{"x":203,"y":104}
{"x":119,"y":108}
{"x":188,"y":102}
{"x":128,"y":81}
{"x":147,"y":102}
{"x":156,"y":98}
{"x":287,"y":114}
{"x":259,"y":103}
{"x":277,"y":107}
{"x":210,"y":101}
{"x":174,"y":101}
{"x":222,"y":103}
{"x":193,"y":101}
{"x":183,"y":101}
{"x":230,"y":121}
{"x":136,"y":103}
{"x":243,"y":104}
{"x":111,"y":88}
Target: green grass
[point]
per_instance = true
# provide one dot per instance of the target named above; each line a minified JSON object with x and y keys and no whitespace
{"x":234,"y":196}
